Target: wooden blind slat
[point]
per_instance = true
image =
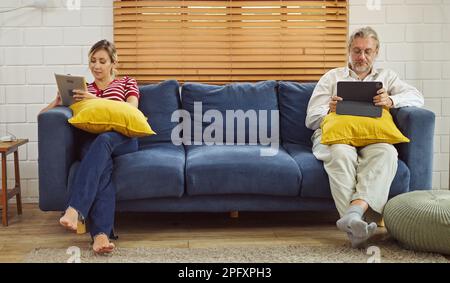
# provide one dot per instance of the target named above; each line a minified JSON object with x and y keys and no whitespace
{"x":220,"y":38}
{"x":237,"y":4}
{"x":226,"y":65}
{"x":224,"y":10}
{"x":227,"y":18}
{"x":224,"y":41}
{"x":221,"y":58}
{"x":207,"y":45}
{"x":317,"y":24}
{"x":229,"y":31}
{"x":224,"y":55}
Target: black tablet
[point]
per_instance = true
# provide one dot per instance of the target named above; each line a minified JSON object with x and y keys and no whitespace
{"x":358,"y":98}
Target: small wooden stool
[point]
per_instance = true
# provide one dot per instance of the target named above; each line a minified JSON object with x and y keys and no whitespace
{"x":5,"y":149}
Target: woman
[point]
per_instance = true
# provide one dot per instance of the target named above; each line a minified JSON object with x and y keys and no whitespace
{"x":93,"y":193}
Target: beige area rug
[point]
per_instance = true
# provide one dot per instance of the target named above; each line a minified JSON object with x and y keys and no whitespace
{"x":386,"y":251}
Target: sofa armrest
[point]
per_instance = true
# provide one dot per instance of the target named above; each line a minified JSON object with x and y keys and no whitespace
{"x":56,"y":154}
{"x":418,"y":125}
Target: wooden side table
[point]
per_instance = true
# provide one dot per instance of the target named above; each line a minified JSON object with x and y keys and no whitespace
{"x":5,"y":149}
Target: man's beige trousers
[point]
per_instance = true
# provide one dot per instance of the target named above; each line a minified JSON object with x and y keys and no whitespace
{"x":364,"y":173}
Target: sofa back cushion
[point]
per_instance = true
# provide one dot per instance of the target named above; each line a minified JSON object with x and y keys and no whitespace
{"x":158,"y":102}
{"x":293,"y":101}
{"x":249,"y":98}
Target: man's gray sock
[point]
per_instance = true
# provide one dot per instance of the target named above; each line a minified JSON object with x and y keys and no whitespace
{"x":352,"y":223}
{"x":360,"y":242}
{"x":352,"y":219}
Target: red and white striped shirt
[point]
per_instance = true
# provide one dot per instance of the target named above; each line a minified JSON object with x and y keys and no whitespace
{"x":118,"y":89}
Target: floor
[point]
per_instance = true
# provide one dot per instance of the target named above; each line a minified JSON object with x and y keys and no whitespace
{"x":182,"y":230}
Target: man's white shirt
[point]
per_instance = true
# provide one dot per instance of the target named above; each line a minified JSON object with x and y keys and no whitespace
{"x":401,"y":93}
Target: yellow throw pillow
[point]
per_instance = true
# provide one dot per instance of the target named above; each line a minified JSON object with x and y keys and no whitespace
{"x":360,"y":131}
{"x":103,"y":115}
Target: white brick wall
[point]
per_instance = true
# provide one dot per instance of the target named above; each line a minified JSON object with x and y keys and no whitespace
{"x":23,"y":56}
{"x":423,"y":70}
{"x":2,"y":95}
{"x":24,"y":94}
{"x":446,"y":70}
{"x":11,"y":37}
{"x":435,"y":51}
{"x":43,"y":36}
{"x":34,"y":44}
{"x":1,"y":56}
{"x":62,"y":55}
{"x":403,"y":51}
{"x":395,"y":14}
{"x":423,"y":33}
{"x":436,"y":88}
{"x":61,"y":17}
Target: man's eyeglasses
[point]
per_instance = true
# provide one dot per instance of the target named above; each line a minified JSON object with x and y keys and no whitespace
{"x":367,"y":52}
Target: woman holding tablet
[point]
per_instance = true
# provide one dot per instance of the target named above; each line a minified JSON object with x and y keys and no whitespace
{"x":92,"y":196}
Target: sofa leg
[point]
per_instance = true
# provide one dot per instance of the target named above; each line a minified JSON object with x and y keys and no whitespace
{"x":380,"y":222}
{"x":234,"y":214}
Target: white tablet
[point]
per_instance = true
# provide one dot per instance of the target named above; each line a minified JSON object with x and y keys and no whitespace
{"x":66,"y":85}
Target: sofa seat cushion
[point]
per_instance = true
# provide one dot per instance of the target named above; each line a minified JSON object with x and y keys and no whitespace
{"x":315,"y":179}
{"x":240,"y":169}
{"x":156,"y":170}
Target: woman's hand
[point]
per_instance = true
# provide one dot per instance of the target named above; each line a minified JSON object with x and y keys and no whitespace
{"x":82,"y":94}
{"x":133,"y":100}
{"x":333,"y":102}
{"x":56,"y":102}
{"x":383,"y":99}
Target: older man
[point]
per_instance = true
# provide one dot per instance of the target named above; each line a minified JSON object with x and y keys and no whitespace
{"x":360,"y":177}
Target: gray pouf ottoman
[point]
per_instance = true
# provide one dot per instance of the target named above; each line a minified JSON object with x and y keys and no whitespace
{"x":420,"y":220}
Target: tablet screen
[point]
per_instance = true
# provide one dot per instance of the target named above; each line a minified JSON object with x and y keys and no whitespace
{"x":358,"y":91}
{"x":66,"y":85}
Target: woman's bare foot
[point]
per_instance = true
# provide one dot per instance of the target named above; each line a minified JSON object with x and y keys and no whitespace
{"x":102,"y":245}
{"x":70,"y":219}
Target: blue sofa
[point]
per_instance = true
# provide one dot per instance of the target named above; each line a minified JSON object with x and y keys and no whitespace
{"x":166,"y":177}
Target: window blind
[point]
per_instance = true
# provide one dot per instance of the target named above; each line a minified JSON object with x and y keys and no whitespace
{"x":230,"y":41}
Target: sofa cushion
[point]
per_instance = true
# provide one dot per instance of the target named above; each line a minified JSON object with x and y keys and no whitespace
{"x":237,"y":96}
{"x":156,"y":170}
{"x":293,"y":101}
{"x":240,"y":169}
{"x":315,"y":179}
{"x":158,"y":102}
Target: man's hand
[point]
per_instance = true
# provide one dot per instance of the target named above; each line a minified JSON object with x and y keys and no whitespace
{"x":81,"y":94}
{"x":382,"y":99}
{"x":333,"y":102}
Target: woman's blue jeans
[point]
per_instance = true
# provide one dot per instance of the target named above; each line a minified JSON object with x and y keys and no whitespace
{"x":93,"y":193}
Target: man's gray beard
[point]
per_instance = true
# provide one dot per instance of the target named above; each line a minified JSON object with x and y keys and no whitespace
{"x":360,"y":69}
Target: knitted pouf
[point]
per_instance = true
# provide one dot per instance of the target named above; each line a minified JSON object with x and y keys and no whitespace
{"x":420,"y":220}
